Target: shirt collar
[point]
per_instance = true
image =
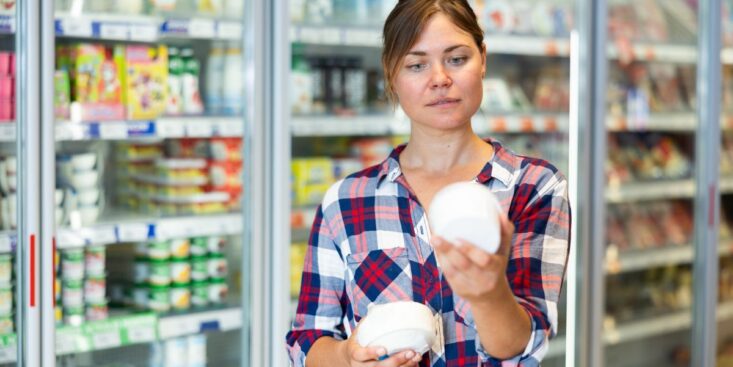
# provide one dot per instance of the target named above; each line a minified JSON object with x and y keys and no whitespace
{"x":501,"y":166}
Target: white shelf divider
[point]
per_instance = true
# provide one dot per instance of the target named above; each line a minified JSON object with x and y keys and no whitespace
{"x":195,"y":323}
{"x":669,"y":189}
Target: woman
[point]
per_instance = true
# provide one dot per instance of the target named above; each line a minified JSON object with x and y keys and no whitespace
{"x":370,"y":241}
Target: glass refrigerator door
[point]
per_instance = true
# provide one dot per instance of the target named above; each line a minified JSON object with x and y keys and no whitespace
{"x":725,"y":290}
{"x":149,"y":159}
{"x":341,"y":121}
{"x":15,"y":254}
{"x":650,"y":183}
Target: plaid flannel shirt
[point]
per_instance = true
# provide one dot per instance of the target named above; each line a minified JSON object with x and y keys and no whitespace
{"x":370,"y":244}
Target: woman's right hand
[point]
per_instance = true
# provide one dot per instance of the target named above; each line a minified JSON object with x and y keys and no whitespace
{"x":358,"y":356}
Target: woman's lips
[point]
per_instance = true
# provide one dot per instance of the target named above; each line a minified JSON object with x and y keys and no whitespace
{"x":444,"y":102}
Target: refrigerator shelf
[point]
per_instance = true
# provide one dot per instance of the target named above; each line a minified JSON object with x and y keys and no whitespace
{"x":654,"y":190}
{"x":645,"y":328}
{"x":628,"y":261}
{"x":377,"y":125}
{"x":144,"y":28}
{"x":144,"y":229}
{"x":134,"y":329}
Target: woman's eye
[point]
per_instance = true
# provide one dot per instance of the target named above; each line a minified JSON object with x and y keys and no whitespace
{"x":417,"y":67}
{"x":457,"y":60}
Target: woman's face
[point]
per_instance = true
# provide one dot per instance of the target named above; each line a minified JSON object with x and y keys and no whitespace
{"x":439,"y":83}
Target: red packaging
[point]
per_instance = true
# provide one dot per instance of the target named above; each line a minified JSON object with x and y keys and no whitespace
{"x":12,"y":65}
{"x":5,"y":62}
{"x":7,"y":87}
{"x":6,"y":112}
{"x":225,"y":175}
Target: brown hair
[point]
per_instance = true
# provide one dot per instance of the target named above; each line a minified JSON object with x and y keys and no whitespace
{"x":408,"y":19}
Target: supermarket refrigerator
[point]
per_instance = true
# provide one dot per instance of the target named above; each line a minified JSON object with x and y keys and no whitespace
{"x":620,"y":116}
{"x":129,"y":177}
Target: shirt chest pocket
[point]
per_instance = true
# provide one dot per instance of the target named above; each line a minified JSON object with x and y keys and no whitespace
{"x":378,"y":276}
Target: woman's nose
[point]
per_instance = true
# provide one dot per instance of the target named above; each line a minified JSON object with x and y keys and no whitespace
{"x":440,"y":78}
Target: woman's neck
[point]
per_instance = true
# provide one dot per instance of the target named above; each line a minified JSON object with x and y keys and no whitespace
{"x":441,"y":151}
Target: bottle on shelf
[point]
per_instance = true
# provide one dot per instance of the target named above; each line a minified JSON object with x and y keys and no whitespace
{"x":232,"y":85}
{"x":192,"y":104}
{"x":214,"y":79}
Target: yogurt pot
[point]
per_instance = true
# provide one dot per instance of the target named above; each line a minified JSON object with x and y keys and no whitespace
{"x":216,"y":244}
{"x":6,"y":325}
{"x":180,"y":248}
{"x":72,"y":264}
{"x":199,"y":269}
{"x":6,"y":269}
{"x":199,"y":294}
{"x":217,"y":265}
{"x":95,"y":290}
{"x":180,"y":297}
{"x":72,"y":294}
{"x":159,"y":299}
{"x":94,"y":261}
{"x":180,"y":271}
{"x":98,"y":311}
{"x":73,"y":316}
{"x":160,"y":273}
{"x":141,"y":271}
{"x":6,"y":301}
{"x":218,"y":291}
{"x":159,"y":250}
{"x":199,"y":246}
{"x":141,"y":296}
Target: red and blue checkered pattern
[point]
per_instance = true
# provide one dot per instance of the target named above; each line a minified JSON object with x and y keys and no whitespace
{"x":370,"y":244}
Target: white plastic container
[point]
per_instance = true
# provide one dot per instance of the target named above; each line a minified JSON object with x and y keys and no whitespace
{"x":232,"y":85}
{"x":399,"y":326}
{"x":467,"y":211}
{"x":214,"y":78}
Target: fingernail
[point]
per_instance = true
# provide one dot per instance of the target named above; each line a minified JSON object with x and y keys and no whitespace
{"x":382,"y":351}
{"x":409,"y":354}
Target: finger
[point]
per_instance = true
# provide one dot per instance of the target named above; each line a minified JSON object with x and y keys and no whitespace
{"x":398,"y":359}
{"x":365,"y":354}
{"x":477,"y":255}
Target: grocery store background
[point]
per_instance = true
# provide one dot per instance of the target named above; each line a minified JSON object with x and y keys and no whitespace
{"x":161,"y":162}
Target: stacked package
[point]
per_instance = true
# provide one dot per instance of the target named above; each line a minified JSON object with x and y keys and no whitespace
{"x":7,"y":86}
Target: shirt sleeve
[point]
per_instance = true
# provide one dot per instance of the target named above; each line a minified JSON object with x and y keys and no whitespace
{"x":536,"y":267}
{"x":320,"y":310}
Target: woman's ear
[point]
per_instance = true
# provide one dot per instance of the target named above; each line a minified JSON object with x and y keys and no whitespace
{"x":483,"y":60}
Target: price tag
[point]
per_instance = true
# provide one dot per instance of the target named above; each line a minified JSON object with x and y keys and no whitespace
{"x":229,"y":127}
{"x":143,"y":32}
{"x":115,"y":31}
{"x":66,"y":344}
{"x":76,"y":27}
{"x":230,"y":30}
{"x":201,"y":28}
{"x":169,"y":128}
{"x":8,"y":354}
{"x":331,"y":36}
{"x":113,"y":130}
{"x":310,"y":35}
{"x":102,"y":235}
{"x":141,"y":334}
{"x":199,"y":129}
{"x":106,"y":339}
{"x":7,"y":131}
{"x":132,"y":232}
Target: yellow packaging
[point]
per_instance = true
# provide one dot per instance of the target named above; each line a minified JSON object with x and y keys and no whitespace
{"x":297,"y":259}
{"x":309,"y":194}
{"x":145,"y":81}
{"x":308,"y":171}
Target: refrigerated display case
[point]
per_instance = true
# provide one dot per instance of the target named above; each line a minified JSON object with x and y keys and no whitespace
{"x":145,"y":244}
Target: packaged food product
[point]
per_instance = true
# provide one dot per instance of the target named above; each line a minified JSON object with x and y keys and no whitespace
{"x":95,"y":290}
{"x":216,"y":244}
{"x":180,"y":297}
{"x":218,"y":291}
{"x":95,"y":260}
{"x":199,"y":246}
{"x":180,"y":248}
{"x":72,"y":293}
{"x":159,"y":298}
{"x":6,"y":268}
{"x":199,"y":293}
{"x":58,"y":314}
{"x":159,"y":250}
{"x":160,"y":272}
{"x":192,"y":104}
{"x":141,"y":271}
{"x":180,"y":271}
{"x":145,"y":81}
{"x":199,"y":268}
{"x":141,"y":296}
{"x":73,"y":316}
{"x":97,"y":311}
{"x":72,"y":264}
{"x":6,"y":300}
{"x":217,"y":265}
{"x":6,"y":325}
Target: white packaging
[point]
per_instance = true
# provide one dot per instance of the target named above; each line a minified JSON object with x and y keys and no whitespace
{"x":400,"y":326}
{"x":234,"y":8}
{"x":467,"y":211}
{"x":232,"y":88}
{"x":214,"y":78}
{"x":197,"y":350}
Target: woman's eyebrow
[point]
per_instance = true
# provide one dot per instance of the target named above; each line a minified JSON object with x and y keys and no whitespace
{"x":423,"y":53}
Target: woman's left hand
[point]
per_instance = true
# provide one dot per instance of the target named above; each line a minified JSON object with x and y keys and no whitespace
{"x":474,"y":274}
